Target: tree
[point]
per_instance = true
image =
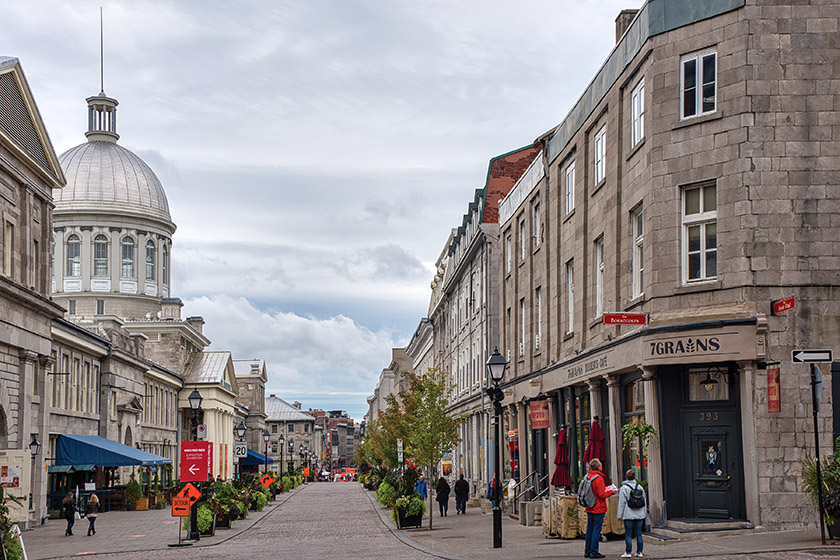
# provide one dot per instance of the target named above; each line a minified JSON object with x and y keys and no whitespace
{"x":428,"y":430}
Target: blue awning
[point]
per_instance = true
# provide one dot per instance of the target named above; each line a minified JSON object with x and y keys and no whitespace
{"x":70,"y":468}
{"x":79,"y":450}
{"x":254,"y":458}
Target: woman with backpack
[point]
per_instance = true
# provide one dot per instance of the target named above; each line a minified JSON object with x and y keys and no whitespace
{"x":594,"y":492}
{"x":632,"y":508}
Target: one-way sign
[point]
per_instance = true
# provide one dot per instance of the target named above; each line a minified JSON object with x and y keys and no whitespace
{"x":812,"y":356}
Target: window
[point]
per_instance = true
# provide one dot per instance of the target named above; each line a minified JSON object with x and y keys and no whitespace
{"x":274,"y":428}
{"x":74,"y":259}
{"x":508,"y":252}
{"x":538,"y":316}
{"x":699,"y":85}
{"x":570,"y":187}
{"x":291,"y":428}
{"x":522,"y":243}
{"x":637,"y":114}
{"x":100,"y":256}
{"x":599,"y":276}
{"x":150,"y":260}
{"x":164,"y":264}
{"x":570,"y":296}
{"x":600,"y":154}
{"x":637,"y":225}
{"x":522,"y":327}
{"x":127,"y":270}
{"x":8,"y":248}
{"x":537,"y":225}
{"x":699,"y":242}
{"x":100,"y":307}
{"x":71,"y":306}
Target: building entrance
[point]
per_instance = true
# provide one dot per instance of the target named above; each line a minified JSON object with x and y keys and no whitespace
{"x":713,"y":475}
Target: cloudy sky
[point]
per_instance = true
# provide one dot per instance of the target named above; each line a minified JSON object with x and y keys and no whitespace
{"x":315,"y":154}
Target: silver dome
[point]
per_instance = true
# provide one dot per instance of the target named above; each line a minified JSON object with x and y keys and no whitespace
{"x":104,"y":177}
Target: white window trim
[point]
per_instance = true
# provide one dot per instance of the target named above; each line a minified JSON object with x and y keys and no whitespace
{"x":637,"y":114}
{"x":522,"y":244}
{"x":570,"y":296}
{"x":637,"y":264}
{"x":599,"y":276}
{"x":508,"y":252}
{"x":600,"y":151}
{"x":538,"y":326}
{"x":702,"y":219}
{"x":522,"y":327}
{"x":570,"y":187}
{"x":537,"y":224}
{"x":698,"y":93}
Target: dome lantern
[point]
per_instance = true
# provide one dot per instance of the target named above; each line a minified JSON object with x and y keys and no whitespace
{"x":102,"y":118}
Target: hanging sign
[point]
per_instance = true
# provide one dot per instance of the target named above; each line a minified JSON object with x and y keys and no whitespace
{"x":774,"y":401}
{"x":196,"y":461}
{"x":539,"y":415}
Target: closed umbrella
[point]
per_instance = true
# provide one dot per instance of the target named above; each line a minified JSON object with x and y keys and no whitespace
{"x":596,"y":449}
{"x":561,"y":472}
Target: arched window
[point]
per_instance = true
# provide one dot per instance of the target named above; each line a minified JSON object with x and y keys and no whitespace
{"x":74,"y":258}
{"x":100,"y":256}
{"x":150,"y":260}
{"x":127,"y":258}
{"x":164,"y":264}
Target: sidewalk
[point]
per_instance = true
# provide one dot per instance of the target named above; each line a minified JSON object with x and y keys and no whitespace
{"x":129,"y":531}
{"x":468,"y":537}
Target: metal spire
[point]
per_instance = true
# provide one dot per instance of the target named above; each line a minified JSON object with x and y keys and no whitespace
{"x":101,"y":53}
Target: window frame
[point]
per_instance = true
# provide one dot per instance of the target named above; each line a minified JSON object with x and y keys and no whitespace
{"x":522,"y":315}
{"x":599,"y":169}
{"x":150,"y":260}
{"x":538,"y":314}
{"x":699,"y":60}
{"x":522,"y":244}
{"x":637,"y":254}
{"x":570,"y":296}
{"x":637,"y":114}
{"x":100,"y":259}
{"x":73,"y":263}
{"x":599,"y":270}
{"x":128,"y":262}
{"x":570,"y":187}
{"x":508,"y":252}
{"x":537,"y":224}
{"x":703,"y":219}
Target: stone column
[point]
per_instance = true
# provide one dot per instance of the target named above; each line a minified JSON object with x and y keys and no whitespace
{"x":522,"y":427}
{"x":39,"y":464}
{"x":614,"y":390}
{"x":654,"y":451}
{"x":748,"y":434}
{"x":595,"y":397}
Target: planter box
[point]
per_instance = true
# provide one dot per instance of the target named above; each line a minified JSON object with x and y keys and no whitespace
{"x":142,"y":504}
{"x":406,"y":521}
{"x":212,"y":530}
{"x":223,"y":521}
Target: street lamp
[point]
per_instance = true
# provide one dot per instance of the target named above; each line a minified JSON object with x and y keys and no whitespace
{"x":266,"y":437}
{"x":194,"y":399}
{"x":280,"y":441}
{"x":292,"y":454}
{"x":34,"y":447}
{"x":240,"y":432}
{"x":496,"y":365}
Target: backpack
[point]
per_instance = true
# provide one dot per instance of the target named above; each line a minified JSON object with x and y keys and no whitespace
{"x":586,"y":496}
{"x":637,"y":498}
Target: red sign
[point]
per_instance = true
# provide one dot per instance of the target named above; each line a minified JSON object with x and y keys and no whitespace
{"x":782,"y":305}
{"x":196,"y":460}
{"x":625,"y":318}
{"x":180,"y":507}
{"x":774,"y":398}
{"x":266,"y":480}
{"x":539,"y":415}
{"x":189,"y":492}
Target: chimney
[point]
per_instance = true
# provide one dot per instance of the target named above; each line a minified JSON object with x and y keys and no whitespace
{"x":255,"y":368}
{"x":297,"y":405}
{"x":273,"y":396}
{"x":170,"y":308}
{"x":197,"y":323}
{"x":623,"y":21}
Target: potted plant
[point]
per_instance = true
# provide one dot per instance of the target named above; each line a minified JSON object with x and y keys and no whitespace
{"x":643,"y":432}
{"x":830,"y":475}
{"x":133,"y":493}
{"x":408,"y":511}
{"x":161,"y":503}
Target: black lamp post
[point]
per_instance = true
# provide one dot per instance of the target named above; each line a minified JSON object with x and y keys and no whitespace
{"x":240,"y":432}
{"x":266,"y":437}
{"x":34,"y":447}
{"x":194,"y":399}
{"x":496,"y":365}
{"x":291,"y":454}
{"x":280,"y":441}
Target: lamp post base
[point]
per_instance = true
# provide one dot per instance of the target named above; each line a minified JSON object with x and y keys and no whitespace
{"x":497,"y":527}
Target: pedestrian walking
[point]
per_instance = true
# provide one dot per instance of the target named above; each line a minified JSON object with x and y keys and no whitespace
{"x":90,"y":511}
{"x":632,"y":508}
{"x":462,"y":493}
{"x":595,"y":514}
{"x":442,"y":490}
{"x":69,"y":505}
{"x":491,"y":490}
{"x":421,"y":487}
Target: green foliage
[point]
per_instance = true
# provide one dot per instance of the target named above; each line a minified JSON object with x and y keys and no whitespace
{"x":410,"y":506}
{"x":830,"y":471}
{"x":386,"y":494}
{"x":13,"y":549}
{"x":161,"y":502}
{"x":260,"y":500}
{"x":203,"y":519}
{"x":133,"y":492}
{"x":287,"y":483}
{"x":238,"y":509}
{"x":634,"y":430}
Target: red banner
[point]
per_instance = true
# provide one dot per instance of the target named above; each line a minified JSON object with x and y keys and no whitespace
{"x":774,"y":398}
{"x":539,"y":415}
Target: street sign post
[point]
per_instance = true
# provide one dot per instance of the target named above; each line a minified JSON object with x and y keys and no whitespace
{"x":811,"y":356}
{"x":625,"y":318}
{"x":180,"y":507}
{"x":399,"y":450}
{"x":190,"y":492}
{"x":782,"y":305}
{"x":196,"y":461}
{"x":181,"y":504}
{"x":266,"y":480}
{"x":240,"y":449}
{"x":201,"y":431}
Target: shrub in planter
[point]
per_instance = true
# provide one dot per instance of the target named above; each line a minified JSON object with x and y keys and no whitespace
{"x":386,"y":494}
{"x":830,"y":470}
{"x":161,"y":503}
{"x":203,"y":519}
{"x":408,"y":511}
{"x":133,"y":492}
{"x":260,"y":500}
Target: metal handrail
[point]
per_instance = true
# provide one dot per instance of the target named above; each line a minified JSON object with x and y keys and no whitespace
{"x":541,"y":481}
{"x":516,"y":493}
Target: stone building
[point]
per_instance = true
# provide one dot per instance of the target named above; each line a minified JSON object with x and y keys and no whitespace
{"x":251,"y":377}
{"x":29,"y":171}
{"x":694,"y":182}
{"x":464,"y":324}
{"x":296,"y":427}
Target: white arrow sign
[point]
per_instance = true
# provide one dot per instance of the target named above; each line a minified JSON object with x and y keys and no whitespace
{"x":193,"y":469}
{"x":812,"y":356}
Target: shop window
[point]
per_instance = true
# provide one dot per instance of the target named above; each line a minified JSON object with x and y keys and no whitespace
{"x":634,"y":413}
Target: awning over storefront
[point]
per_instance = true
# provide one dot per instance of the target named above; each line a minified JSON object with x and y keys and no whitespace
{"x":70,"y":468}
{"x":83,"y":450}
{"x":254,"y":459}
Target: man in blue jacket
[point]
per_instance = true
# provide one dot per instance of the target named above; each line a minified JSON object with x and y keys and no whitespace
{"x":421,"y":488}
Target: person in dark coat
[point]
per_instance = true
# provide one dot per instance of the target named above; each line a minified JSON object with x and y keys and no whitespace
{"x":442,"y":489}
{"x":462,"y":493}
{"x":69,"y":505}
{"x":90,"y":512}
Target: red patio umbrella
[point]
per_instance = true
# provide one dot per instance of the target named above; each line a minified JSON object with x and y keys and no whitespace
{"x":561,"y":472}
{"x":596,"y":449}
